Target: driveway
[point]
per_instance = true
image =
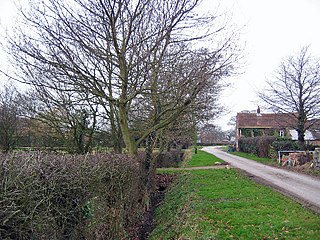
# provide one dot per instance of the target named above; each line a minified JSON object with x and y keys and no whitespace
{"x":304,"y":188}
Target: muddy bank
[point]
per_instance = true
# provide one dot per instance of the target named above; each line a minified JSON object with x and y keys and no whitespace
{"x":142,"y":230}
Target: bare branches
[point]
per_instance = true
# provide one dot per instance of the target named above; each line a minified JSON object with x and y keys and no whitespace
{"x":9,"y":112}
{"x":296,"y":89}
{"x":123,"y":52}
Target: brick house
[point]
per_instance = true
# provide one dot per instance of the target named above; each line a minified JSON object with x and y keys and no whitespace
{"x":250,"y":124}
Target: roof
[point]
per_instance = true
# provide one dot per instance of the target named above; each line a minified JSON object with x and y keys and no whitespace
{"x":265,"y":120}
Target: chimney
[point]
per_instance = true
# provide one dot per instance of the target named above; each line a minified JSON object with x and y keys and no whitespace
{"x":258,"y":111}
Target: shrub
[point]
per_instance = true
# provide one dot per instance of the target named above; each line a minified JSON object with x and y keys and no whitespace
{"x":171,"y":158}
{"x":248,"y":145}
{"x":264,"y":144}
{"x":50,"y":196}
{"x":259,"y":146}
{"x":283,"y":143}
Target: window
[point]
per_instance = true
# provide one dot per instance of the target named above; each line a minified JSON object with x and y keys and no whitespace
{"x":281,"y":133}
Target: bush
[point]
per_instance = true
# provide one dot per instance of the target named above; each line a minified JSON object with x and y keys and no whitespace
{"x":264,"y":144}
{"x":169,"y":159}
{"x":50,"y":196}
{"x":248,"y":145}
{"x":283,"y":144}
{"x":259,"y":146}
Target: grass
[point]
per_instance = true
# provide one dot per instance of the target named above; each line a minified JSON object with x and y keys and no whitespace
{"x":198,"y":147}
{"x":224,"y":204}
{"x":268,"y":161}
{"x":203,"y":158}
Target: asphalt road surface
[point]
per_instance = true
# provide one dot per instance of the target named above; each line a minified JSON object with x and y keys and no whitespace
{"x":304,"y":188}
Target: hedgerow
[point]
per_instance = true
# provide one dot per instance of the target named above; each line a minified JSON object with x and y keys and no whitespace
{"x":283,"y":143}
{"x":57,"y":196}
{"x":170,"y":158}
{"x":259,"y":146}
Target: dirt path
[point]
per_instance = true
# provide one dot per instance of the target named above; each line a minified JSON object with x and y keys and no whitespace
{"x":304,"y":188}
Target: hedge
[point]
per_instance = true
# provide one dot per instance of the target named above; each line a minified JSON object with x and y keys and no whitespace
{"x":171,"y":158}
{"x":268,"y":146}
{"x":259,"y":146}
{"x":283,"y":143}
{"x":52,"y":196}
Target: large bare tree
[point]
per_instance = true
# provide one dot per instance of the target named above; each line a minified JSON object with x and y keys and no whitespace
{"x":296,"y":89}
{"x":124,"y":53}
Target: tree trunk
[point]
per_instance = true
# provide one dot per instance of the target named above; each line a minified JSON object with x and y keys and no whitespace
{"x":195,"y":136}
{"x":115,"y":132}
{"x":126,"y":134}
{"x":301,"y":128}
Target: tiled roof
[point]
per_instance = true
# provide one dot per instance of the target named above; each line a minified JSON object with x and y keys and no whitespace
{"x":265,"y":120}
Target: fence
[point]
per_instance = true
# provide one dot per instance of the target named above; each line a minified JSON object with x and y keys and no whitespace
{"x":316,"y":158}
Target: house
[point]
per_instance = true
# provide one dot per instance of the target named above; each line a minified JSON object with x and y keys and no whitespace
{"x":250,"y":124}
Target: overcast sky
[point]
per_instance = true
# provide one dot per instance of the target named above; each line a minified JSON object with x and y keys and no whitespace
{"x":271,"y":30}
{"x":7,"y":12}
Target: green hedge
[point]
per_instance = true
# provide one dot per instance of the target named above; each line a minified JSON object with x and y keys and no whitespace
{"x":267,"y":146}
{"x":259,"y":146}
{"x":50,"y":196}
{"x":283,"y":143}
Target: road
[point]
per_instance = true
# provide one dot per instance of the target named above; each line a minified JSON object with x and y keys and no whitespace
{"x":304,"y":188}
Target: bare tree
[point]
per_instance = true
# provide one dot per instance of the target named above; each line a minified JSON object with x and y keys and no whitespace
{"x":9,"y":120}
{"x":72,"y":116}
{"x":295,"y":90}
{"x":123,"y":53}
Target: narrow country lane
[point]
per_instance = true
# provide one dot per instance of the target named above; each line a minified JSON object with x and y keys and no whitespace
{"x":300,"y":186}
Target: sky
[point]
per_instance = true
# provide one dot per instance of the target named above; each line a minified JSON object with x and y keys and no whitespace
{"x":270,"y":31}
{"x":7,"y":12}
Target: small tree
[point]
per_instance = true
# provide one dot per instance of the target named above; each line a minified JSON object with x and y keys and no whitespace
{"x":71,"y":117}
{"x":296,"y":90}
{"x":8,"y":116}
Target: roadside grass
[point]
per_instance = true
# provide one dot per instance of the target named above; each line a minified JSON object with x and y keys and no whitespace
{"x":267,"y":161}
{"x":225,"y":204}
{"x":198,"y":147}
{"x":202,"y":158}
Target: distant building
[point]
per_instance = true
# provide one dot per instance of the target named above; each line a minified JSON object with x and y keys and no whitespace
{"x":250,"y":124}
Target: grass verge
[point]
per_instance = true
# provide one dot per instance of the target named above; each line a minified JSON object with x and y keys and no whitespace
{"x":224,"y":204}
{"x":202,"y":158}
